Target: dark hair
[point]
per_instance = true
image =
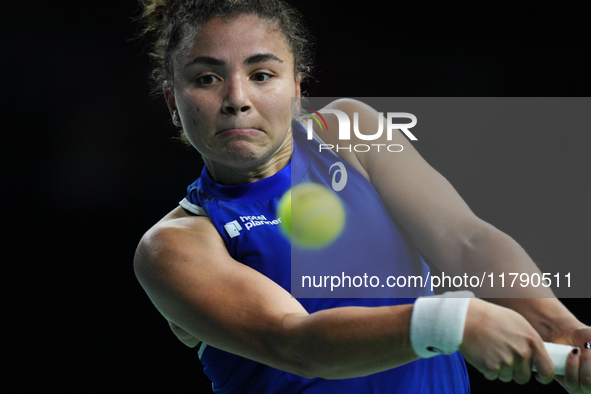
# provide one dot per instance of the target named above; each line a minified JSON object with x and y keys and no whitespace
{"x":169,"y":20}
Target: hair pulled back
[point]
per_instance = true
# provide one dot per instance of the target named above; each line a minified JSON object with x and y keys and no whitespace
{"x":167,"y":21}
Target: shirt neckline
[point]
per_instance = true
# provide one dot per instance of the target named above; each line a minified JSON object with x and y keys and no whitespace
{"x":266,"y":188}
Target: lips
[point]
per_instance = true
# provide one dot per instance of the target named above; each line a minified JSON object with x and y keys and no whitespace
{"x":239,"y":132}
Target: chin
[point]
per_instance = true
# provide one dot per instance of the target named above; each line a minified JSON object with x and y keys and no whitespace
{"x":244,"y":154}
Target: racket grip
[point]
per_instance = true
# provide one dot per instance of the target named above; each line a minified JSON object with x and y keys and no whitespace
{"x":558,"y":353}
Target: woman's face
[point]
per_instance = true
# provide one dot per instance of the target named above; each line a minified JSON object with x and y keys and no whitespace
{"x":233,"y":87}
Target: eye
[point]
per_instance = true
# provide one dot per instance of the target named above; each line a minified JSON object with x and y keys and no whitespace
{"x":207,"y":80}
{"x":261,"y":77}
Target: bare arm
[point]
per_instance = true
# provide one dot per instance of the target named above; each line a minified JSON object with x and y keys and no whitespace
{"x":441,"y":224}
{"x":443,"y":227}
{"x":184,"y":266}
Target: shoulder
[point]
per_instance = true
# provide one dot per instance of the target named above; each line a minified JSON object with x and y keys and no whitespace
{"x":177,"y":234}
{"x":348,"y":105}
{"x":366,"y":129}
{"x":330,"y":135}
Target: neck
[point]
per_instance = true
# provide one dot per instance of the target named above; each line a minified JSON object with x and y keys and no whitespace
{"x":227,"y":175}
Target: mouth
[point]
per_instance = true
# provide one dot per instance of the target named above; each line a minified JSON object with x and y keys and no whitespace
{"x":238,"y":132}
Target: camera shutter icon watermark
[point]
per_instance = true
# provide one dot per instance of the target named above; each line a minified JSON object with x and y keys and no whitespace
{"x":233,"y":228}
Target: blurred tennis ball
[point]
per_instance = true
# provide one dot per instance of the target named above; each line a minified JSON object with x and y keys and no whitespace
{"x":311,"y":215}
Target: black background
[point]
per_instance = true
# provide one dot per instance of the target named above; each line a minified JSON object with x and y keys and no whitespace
{"x":92,"y":163}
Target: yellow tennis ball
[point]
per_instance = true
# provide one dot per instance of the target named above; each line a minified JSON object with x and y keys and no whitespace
{"x":311,"y":215}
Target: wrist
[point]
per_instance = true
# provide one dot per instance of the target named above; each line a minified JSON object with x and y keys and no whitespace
{"x":437,"y":323}
{"x":550,"y":318}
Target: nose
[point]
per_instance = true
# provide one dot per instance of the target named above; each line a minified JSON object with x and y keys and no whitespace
{"x":236,"y":98}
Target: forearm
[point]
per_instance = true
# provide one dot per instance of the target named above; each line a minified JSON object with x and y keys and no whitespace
{"x":194,"y":283}
{"x":352,"y":341}
{"x":550,"y":318}
{"x":494,"y":252}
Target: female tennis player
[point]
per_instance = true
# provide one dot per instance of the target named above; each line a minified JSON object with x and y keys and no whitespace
{"x":229,"y":70}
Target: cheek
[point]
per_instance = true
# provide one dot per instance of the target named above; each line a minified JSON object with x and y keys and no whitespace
{"x":197,"y":114}
{"x":193,"y":105}
{"x":280,"y":105}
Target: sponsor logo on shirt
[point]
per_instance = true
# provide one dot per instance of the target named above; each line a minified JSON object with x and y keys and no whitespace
{"x":339,"y":176}
{"x":234,"y":227}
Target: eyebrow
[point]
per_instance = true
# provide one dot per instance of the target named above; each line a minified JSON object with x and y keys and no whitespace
{"x":212,"y":61}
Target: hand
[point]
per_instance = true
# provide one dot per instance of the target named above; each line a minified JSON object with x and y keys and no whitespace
{"x":501,"y":344}
{"x":577,"y":379}
{"x":183,"y":335}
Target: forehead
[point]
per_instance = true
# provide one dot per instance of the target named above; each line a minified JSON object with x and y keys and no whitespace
{"x":234,"y":38}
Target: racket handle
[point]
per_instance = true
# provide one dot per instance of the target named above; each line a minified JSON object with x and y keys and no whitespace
{"x":558,"y":353}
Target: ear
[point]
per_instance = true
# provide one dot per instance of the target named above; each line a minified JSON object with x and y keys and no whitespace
{"x":171,"y":103}
{"x":296,"y":110}
{"x":298,"y":86}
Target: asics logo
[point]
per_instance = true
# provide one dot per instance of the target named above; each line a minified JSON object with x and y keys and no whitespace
{"x":339,"y":176}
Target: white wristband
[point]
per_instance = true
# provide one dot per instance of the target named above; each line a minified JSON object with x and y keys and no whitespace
{"x":437,"y":323}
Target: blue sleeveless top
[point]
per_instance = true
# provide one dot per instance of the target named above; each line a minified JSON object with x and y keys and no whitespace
{"x":245,"y":217}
